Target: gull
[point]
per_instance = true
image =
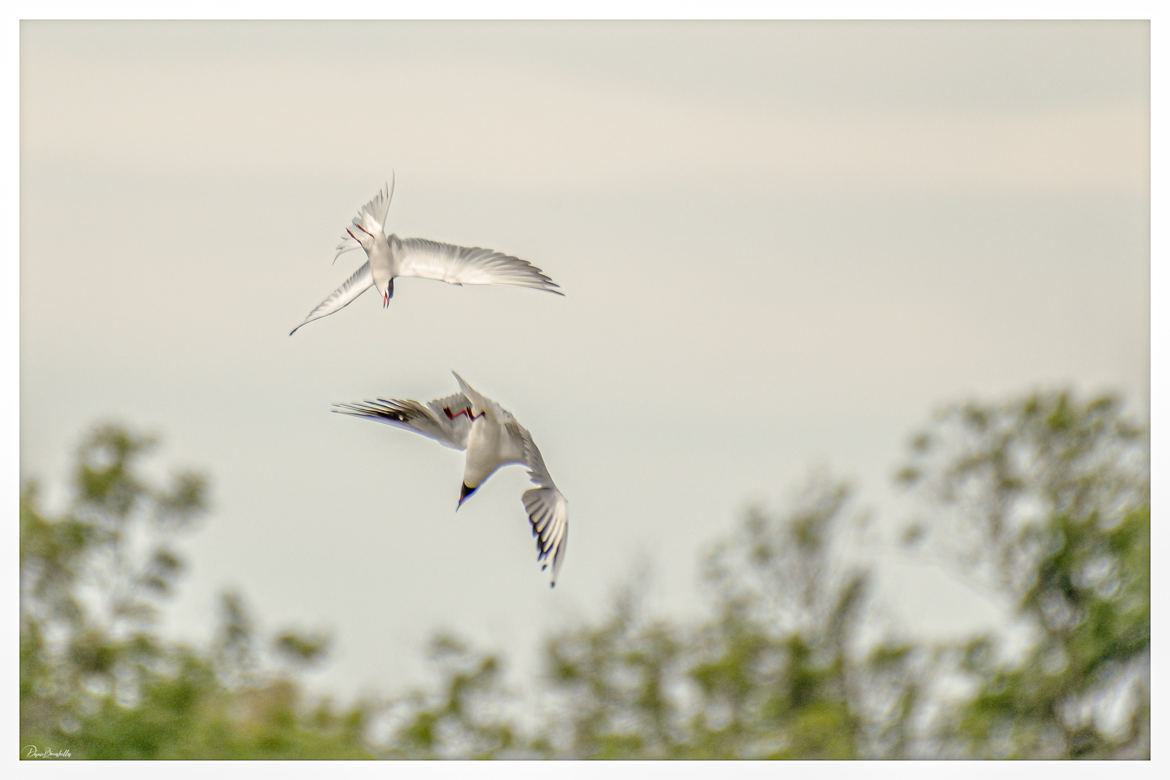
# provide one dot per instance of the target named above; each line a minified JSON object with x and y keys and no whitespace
{"x":469,"y":420}
{"x":388,"y":257}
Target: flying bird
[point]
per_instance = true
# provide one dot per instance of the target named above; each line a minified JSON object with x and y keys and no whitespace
{"x":469,"y":420}
{"x":388,"y":257}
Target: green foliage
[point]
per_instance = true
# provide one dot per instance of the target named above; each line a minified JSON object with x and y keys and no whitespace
{"x":1056,"y":495}
{"x":460,"y":719}
{"x":769,"y":674}
{"x":1045,"y":501}
{"x":95,"y":676}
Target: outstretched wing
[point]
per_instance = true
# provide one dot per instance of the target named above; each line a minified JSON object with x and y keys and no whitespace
{"x":547,"y":507}
{"x":371,"y":217}
{"x":445,"y":419}
{"x":468,"y":265}
{"x":361,"y":280}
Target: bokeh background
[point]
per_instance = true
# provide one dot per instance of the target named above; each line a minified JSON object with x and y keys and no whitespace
{"x":784,"y":247}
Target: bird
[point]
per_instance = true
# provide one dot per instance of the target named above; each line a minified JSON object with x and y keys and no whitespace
{"x":389,"y":257}
{"x":491,"y":437}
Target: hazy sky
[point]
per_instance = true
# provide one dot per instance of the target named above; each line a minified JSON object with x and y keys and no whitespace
{"x":783,"y":244}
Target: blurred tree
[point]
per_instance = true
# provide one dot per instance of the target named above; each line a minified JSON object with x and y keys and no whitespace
{"x":1047,"y":499}
{"x":777,"y":671}
{"x":1044,"y":500}
{"x":96,"y":678}
{"x":465,"y":717}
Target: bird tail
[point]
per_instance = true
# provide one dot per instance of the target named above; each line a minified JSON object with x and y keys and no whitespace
{"x":371,"y":217}
{"x":478,"y":401}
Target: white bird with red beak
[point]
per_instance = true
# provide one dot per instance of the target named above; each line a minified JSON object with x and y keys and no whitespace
{"x":389,"y":257}
{"x":492,"y":438}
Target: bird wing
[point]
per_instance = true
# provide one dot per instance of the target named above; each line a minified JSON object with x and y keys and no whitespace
{"x":371,"y":217}
{"x":547,"y":507}
{"x":443,"y":419}
{"x":467,"y":265}
{"x":361,"y":280}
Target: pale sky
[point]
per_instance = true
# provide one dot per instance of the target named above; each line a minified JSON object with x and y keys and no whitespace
{"x":782,"y":244}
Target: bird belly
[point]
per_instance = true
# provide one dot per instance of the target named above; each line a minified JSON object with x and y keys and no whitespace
{"x":487,"y":450}
{"x":382,"y":270}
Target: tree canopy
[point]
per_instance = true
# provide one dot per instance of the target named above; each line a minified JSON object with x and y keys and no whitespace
{"x":1043,"y":500}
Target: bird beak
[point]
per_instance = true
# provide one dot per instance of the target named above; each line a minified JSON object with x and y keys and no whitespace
{"x":464,"y":493}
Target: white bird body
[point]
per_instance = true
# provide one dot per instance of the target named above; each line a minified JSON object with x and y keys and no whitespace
{"x":489,"y":446}
{"x":389,"y":257}
{"x":381,"y":257}
{"x":492,"y":438}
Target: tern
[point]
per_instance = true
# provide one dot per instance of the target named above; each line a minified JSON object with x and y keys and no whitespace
{"x":469,"y":420}
{"x":388,"y":257}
